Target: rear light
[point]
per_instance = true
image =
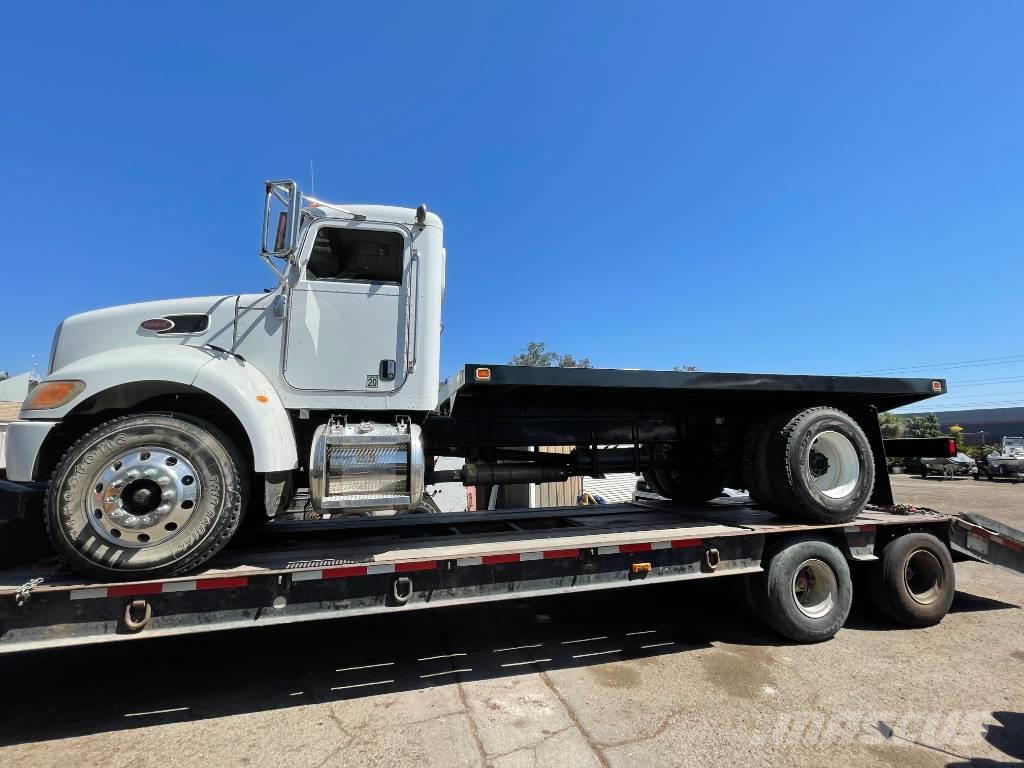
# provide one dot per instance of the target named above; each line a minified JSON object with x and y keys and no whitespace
{"x":53,"y":394}
{"x":952,"y":446}
{"x":483,"y":374}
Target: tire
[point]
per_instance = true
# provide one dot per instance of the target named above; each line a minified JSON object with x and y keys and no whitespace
{"x":820,"y":466}
{"x":755,"y":467}
{"x":684,"y":484}
{"x":806,"y":592}
{"x":915,"y":582}
{"x":145,"y":496}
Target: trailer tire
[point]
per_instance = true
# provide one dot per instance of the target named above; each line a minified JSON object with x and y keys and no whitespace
{"x":821,"y":466}
{"x":145,"y":496}
{"x":915,"y":582}
{"x":806,"y":592}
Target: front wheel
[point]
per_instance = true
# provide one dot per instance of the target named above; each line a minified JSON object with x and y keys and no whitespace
{"x":144,"y":496}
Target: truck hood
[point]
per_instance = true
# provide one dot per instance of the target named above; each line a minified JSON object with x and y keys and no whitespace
{"x":107,"y":329}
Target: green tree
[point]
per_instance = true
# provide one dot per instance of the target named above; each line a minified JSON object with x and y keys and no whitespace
{"x":536,"y":354}
{"x":924,"y":425}
{"x":957,"y":433}
{"x":891,"y":425}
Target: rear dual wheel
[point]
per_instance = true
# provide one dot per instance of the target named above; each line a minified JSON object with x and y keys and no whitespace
{"x":690,"y":484}
{"x":816,"y":463}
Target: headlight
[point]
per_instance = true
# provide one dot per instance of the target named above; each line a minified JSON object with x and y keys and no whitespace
{"x":52,"y":394}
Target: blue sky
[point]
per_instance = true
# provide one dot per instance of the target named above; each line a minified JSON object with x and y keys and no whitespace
{"x":773,"y":187}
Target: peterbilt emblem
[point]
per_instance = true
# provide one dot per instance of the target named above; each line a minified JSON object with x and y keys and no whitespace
{"x":158,"y":324}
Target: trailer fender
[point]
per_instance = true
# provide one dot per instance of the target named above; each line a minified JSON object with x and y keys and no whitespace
{"x":119,"y":377}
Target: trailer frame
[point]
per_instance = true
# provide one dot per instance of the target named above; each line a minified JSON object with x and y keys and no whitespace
{"x":302,"y":571}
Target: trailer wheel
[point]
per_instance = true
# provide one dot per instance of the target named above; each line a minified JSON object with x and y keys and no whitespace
{"x":144,"y":496}
{"x":806,"y":592}
{"x":821,"y":467}
{"x":915,"y":581}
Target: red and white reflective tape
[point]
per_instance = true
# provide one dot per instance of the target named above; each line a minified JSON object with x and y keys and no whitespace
{"x":159,"y":587}
{"x":866,"y":528}
{"x":373,"y":569}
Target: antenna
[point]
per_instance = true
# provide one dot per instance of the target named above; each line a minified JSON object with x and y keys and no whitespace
{"x":312,"y":179}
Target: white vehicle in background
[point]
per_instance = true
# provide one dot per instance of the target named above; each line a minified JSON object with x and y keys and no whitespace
{"x":1009,"y":460}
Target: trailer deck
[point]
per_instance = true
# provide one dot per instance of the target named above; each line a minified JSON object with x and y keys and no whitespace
{"x":298,"y":571}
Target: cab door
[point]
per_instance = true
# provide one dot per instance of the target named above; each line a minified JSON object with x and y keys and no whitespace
{"x":346,"y":322}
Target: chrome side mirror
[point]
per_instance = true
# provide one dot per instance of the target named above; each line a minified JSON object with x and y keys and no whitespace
{"x":283,"y":196}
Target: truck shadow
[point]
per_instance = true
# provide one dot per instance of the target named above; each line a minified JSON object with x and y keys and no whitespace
{"x":98,"y":689}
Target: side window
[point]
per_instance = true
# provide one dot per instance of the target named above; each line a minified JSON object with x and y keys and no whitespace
{"x":356,"y":254}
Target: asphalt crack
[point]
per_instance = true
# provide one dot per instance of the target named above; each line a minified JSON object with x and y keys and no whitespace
{"x":594,"y":746}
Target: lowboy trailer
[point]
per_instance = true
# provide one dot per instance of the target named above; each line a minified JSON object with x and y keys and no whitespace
{"x":795,"y":575}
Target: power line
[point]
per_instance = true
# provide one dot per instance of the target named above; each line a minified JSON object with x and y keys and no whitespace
{"x":982,"y":382}
{"x":980,"y":405}
{"x":979,"y":362}
{"x":977,"y":396}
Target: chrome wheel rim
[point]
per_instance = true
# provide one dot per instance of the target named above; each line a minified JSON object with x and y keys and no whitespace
{"x":923,"y":577}
{"x":814,"y":588}
{"x":833,"y":464}
{"x":143,"y":497}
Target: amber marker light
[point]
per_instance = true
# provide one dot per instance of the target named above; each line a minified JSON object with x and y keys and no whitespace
{"x":53,"y":394}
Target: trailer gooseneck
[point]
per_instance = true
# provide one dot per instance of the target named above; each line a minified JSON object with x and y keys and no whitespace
{"x":160,"y":426}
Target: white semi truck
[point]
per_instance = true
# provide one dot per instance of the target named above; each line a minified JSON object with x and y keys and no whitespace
{"x":160,"y":426}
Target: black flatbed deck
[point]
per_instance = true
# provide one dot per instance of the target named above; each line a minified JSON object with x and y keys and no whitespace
{"x":881,"y":392}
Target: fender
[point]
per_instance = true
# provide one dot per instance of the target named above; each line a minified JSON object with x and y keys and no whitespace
{"x":243,"y":389}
